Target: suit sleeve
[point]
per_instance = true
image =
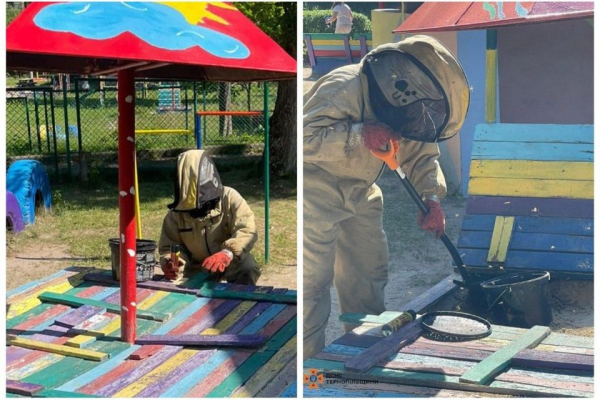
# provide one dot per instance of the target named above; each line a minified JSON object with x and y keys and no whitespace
{"x":241,"y":222}
{"x":420,"y":162}
{"x":170,"y":235}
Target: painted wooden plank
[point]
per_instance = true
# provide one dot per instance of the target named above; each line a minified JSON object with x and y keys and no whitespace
{"x":203,"y":340}
{"x":283,"y":380}
{"x":233,"y":316}
{"x":531,"y":241}
{"x":522,"y":169}
{"x":79,"y":315}
{"x":532,"y":151}
{"x":492,"y":365}
{"x":22,"y":388}
{"x":154,"y":285}
{"x":567,"y":226}
{"x":75,"y":301}
{"x":336,"y":42}
{"x":207,"y":291}
{"x":352,"y":339}
{"x":58,"y":349}
{"x":60,"y":275}
{"x":20,"y":306}
{"x":226,"y":369}
{"x":251,"y":315}
{"x":291,"y":391}
{"x":544,"y":188}
{"x":530,"y":206}
{"x":35,"y":320}
{"x":255,"y":361}
{"x":266,"y":373}
{"x":501,"y":237}
{"x":309,"y":50}
{"x":547,"y":133}
{"x":384,"y":348}
{"x":53,"y":393}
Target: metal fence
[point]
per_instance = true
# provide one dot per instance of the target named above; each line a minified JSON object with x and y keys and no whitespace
{"x":58,"y":126}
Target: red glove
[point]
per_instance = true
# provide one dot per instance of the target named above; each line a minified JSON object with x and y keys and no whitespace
{"x":434,"y":221}
{"x":171,"y":271}
{"x":376,"y":135}
{"x":217,"y":262}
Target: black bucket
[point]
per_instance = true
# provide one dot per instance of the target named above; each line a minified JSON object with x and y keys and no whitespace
{"x":519,"y":300}
{"x":145,"y":255}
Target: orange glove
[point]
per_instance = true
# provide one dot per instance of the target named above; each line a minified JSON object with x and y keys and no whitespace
{"x":171,"y":271}
{"x":217,"y":262}
{"x":376,"y":135}
{"x":435,"y":220}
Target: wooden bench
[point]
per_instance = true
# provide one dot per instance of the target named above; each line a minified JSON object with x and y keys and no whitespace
{"x":328,"y":51}
{"x":530,"y":204}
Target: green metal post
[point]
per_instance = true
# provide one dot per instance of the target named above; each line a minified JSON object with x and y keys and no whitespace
{"x":37,"y":121}
{"x":266,"y":168}
{"x":54,"y":131}
{"x":78,"y":116}
{"x":46,"y":121}
{"x":66,"y":110}
{"x":28,"y":123}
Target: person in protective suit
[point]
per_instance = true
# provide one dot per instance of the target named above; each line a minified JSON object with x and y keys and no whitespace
{"x":212,"y":224}
{"x":413,"y":91}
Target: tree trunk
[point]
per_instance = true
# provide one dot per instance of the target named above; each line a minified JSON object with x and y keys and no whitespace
{"x":225,"y":122}
{"x":283,"y":129}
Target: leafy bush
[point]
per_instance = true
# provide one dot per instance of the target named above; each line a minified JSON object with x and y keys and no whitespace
{"x":314,"y":22}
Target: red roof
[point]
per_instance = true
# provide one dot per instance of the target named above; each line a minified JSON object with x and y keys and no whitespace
{"x":454,"y":16}
{"x":204,"y":41}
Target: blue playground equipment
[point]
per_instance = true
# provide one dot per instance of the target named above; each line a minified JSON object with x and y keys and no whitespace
{"x":28,"y":181}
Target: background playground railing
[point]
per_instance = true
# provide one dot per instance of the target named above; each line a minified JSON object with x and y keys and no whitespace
{"x":83,"y":119}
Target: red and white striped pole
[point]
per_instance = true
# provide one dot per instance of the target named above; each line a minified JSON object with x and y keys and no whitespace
{"x":126,"y":100}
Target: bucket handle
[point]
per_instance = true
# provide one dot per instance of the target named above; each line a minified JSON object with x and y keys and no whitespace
{"x":509,"y":289}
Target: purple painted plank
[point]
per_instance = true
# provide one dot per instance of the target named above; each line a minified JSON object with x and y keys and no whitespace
{"x":352,"y":339}
{"x":530,"y":206}
{"x":532,"y":358}
{"x":79,"y":315}
{"x":22,"y":388}
{"x":254,"y":312}
{"x":154,"y":285}
{"x":310,"y":50}
{"x":134,"y":374}
{"x":50,"y":334}
{"x":204,"y":340}
{"x":14,"y":353}
{"x":347,"y":49}
{"x":159,"y":387}
{"x":363,"y":45}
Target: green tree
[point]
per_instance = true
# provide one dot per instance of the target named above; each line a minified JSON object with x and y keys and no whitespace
{"x":278,"y":20}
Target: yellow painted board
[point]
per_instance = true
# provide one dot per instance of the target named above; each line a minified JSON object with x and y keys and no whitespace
{"x":501,"y":235}
{"x":264,"y":375}
{"x":33,"y":367}
{"x":230,"y":319}
{"x":337,"y":42}
{"x":523,"y":169}
{"x":58,"y":349}
{"x":545,"y":188}
{"x":81,"y":340}
{"x":156,"y":374}
{"x":491,"y":65}
{"x":23,"y":305}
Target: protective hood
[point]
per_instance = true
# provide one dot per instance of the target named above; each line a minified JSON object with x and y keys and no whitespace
{"x":417,"y":87}
{"x":198,"y":186}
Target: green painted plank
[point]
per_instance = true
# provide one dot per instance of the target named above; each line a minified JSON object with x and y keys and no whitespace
{"x":62,"y":394}
{"x":208,"y":291}
{"x":116,"y":308}
{"x":499,"y":360}
{"x":255,"y":361}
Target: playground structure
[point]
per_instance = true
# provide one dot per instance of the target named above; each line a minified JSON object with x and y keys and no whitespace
{"x":528,"y":174}
{"x":221,"y":56}
{"x":328,"y":51}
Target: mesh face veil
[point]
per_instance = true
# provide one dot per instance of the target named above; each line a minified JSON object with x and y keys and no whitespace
{"x":405,"y":96}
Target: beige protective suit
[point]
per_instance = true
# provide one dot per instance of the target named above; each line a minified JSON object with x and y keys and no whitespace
{"x":230,"y":225}
{"x":344,"y":241}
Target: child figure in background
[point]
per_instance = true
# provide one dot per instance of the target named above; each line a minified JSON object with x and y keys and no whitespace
{"x":342,"y":16}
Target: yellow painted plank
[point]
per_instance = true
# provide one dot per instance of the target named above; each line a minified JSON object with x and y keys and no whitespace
{"x":33,"y":367}
{"x":268,"y":371}
{"x":230,"y":319}
{"x":58,"y":349}
{"x":546,"y":188}
{"x":25,"y":304}
{"x":524,"y":169}
{"x":83,"y":339}
{"x":501,"y":235}
{"x":491,"y":65}
{"x":156,"y":374}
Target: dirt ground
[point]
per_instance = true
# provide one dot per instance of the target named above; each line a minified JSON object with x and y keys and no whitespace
{"x":418,"y":261}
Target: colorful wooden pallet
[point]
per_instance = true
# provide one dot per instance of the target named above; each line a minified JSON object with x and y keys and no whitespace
{"x":327,"y":51}
{"x":530,"y":204}
{"x":170,"y":370}
{"x":512,"y":361}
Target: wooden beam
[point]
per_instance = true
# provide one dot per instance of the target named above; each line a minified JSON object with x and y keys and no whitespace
{"x":114,"y":308}
{"x":207,"y":291}
{"x":204,"y":340}
{"x":79,"y":315}
{"x":501,"y":236}
{"x":492,"y":365}
{"x":22,"y":388}
{"x":385,"y":347}
{"x":58,"y":349}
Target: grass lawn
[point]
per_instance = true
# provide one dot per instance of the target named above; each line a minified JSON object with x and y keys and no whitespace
{"x":84,"y":218}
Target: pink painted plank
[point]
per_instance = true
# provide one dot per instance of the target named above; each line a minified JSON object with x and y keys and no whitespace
{"x":22,"y":388}
{"x":219,"y":374}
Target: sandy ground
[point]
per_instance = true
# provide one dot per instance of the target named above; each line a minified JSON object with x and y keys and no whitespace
{"x":418,"y":261}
